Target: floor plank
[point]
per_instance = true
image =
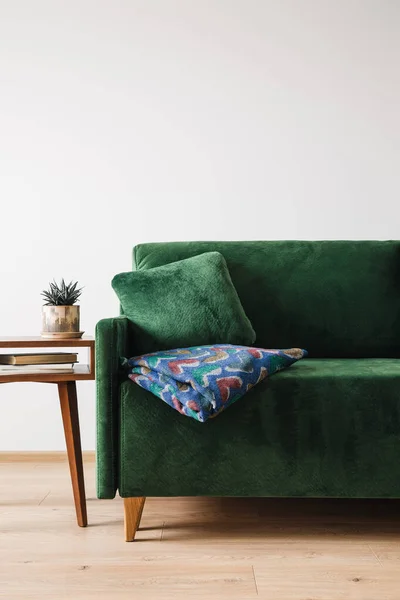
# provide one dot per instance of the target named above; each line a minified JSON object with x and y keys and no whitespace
{"x":319,"y":582}
{"x":190,"y":547}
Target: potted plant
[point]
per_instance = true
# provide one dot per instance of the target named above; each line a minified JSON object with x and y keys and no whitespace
{"x":60,"y":314}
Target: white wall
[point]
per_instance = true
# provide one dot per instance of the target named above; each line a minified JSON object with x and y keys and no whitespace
{"x":123,"y":121}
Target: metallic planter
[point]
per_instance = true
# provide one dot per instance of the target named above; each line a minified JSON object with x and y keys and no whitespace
{"x":60,"y":321}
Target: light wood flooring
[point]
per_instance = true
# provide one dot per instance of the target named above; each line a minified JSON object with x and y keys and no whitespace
{"x":191,"y":547}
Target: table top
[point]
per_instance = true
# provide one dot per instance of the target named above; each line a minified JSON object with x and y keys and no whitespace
{"x":41,"y":342}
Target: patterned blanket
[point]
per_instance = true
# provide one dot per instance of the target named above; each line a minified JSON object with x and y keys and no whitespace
{"x":202,"y":381}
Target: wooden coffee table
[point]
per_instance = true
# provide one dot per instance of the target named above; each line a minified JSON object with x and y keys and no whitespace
{"x":66,"y":383}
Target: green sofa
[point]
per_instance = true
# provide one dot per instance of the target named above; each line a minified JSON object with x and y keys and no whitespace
{"x":327,"y":426}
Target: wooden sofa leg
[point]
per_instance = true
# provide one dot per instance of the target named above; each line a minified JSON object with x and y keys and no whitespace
{"x":133,"y":508}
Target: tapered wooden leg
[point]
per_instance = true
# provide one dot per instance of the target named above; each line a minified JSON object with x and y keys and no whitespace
{"x":70,"y":417}
{"x":133,"y":508}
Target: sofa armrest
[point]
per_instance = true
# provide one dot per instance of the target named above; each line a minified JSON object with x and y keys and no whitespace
{"x":113,"y":340}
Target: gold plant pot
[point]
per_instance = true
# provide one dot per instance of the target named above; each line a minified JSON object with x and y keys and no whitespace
{"x":61,"y":322}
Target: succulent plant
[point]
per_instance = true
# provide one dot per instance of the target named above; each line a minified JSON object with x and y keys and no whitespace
{"x":61,"y":295}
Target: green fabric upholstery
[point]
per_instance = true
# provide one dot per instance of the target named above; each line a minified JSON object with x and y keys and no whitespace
{"x":334,"y":298}
{"x":112,"y":341}
{"x":328,"y":426}
{"x":324,"y":427}
{"x":190,"y":302}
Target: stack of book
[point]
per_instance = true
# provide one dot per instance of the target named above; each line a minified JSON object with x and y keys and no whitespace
{"x":43,"y":362}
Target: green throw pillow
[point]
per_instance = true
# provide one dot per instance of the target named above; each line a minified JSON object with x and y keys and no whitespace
{"x":191,"y":302}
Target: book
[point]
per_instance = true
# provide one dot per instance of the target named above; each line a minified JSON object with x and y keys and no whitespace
{"x":21,"y":369}
{"x":52,"y":367}
{"x":42,"y":358}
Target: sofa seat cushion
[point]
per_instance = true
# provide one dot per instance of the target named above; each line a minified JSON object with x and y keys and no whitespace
{"x":324,"y":427}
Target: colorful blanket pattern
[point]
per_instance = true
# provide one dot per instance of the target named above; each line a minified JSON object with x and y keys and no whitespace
{"x":201,"y":382}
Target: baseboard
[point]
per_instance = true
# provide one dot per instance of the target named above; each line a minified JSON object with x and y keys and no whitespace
{"x":89,"y":456}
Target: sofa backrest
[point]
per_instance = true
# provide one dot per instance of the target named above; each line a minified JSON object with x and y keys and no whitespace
{"x":334,"y":298}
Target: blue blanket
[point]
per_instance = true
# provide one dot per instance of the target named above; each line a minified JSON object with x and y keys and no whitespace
{"x":202,"y":381}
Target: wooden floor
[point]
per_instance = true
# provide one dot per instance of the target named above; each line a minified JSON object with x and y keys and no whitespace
{"x":191,"y":547}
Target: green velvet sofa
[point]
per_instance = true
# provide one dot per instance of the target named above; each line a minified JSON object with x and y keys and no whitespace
{"x":329,"y":426}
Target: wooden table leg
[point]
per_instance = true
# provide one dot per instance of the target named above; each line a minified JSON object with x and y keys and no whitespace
{"x":70,"y":417}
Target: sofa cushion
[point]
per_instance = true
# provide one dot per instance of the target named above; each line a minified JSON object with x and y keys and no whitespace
{"x":324,"y":427}
{"x":335,"y":298}
{"x":190,"y":302}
